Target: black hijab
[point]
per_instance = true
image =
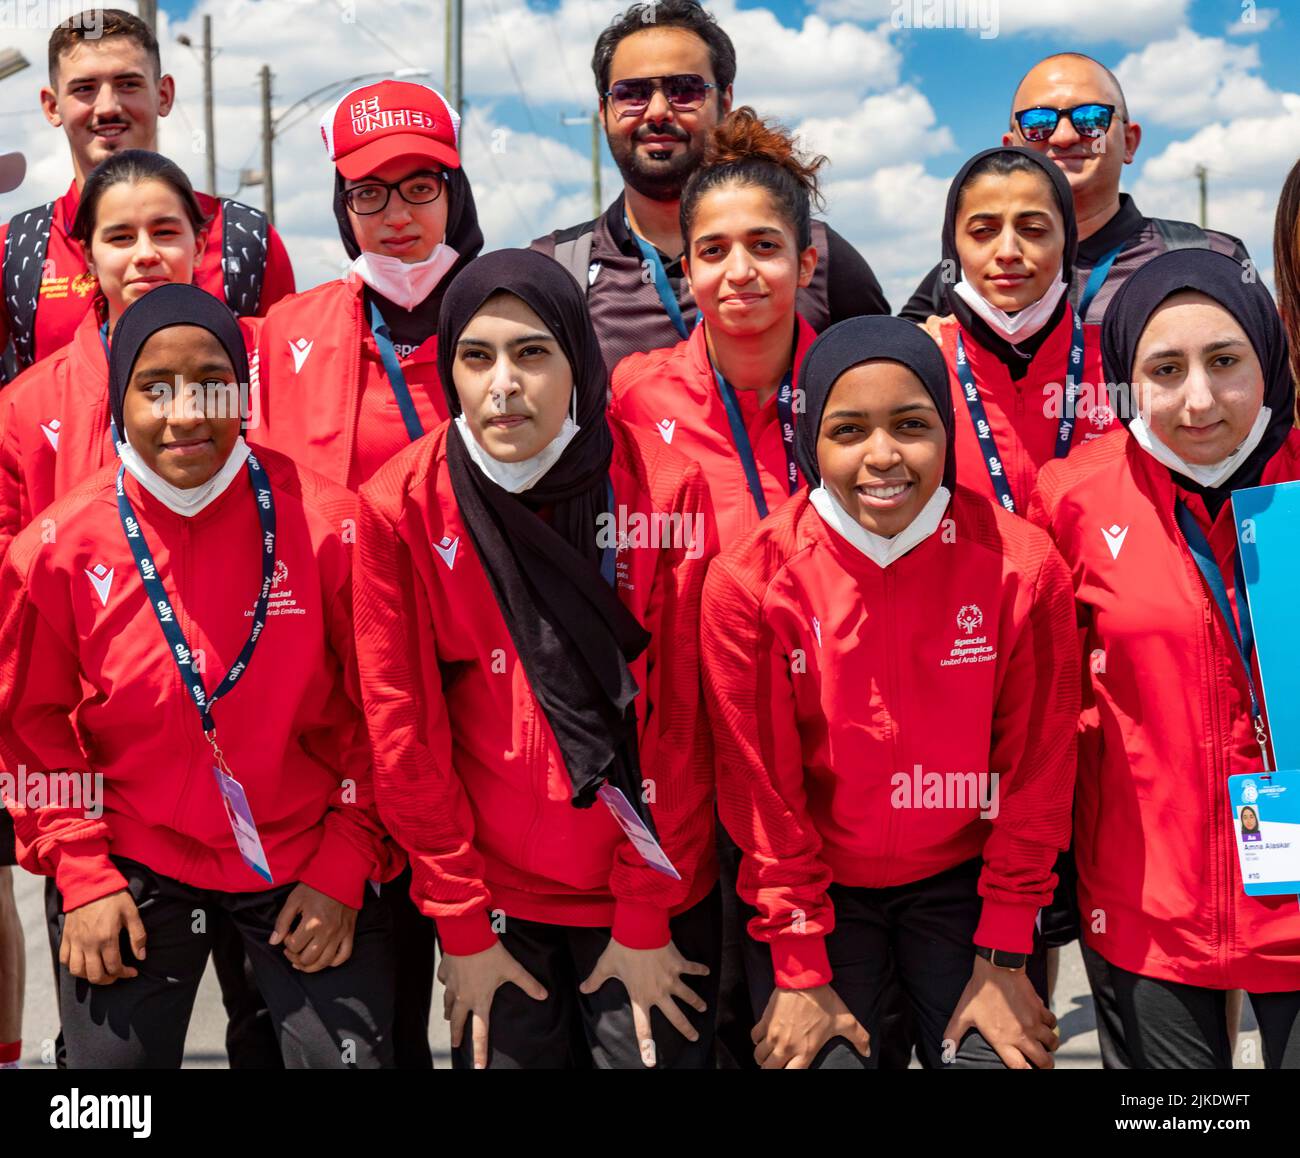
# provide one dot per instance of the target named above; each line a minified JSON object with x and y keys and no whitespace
{"x":850,"y":343}
{"x":1016,"y":358}
{"x":1218,"y":277}
{"x":573,"y":634}
{"x":463,"y":235}
{"x":174,"y":304}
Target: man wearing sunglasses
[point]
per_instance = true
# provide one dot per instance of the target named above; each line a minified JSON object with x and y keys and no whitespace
{"x":664,"y":73}
{"x":1072,"y":109}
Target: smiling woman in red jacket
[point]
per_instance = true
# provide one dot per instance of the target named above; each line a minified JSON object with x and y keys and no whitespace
{"x":890,"y":664}
{"x":141,"y":227}
{"x":725,"y":395}
{"x":1013,"y":345}
{"x":506,"y":566}
{"x":1144,"y":521}
{"x":347,"y":372}
{"x":184,"y":645}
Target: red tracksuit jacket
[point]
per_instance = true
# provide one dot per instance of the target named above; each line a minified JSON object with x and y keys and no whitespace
{"x":67,"y":289}
{"x":88,"y":684}
{"x":835,"y":686}
{"x":673,"y":394}
{"x":325,"y":399}
{"x":1024,"y":429}
{"x":1166,"y":722}
{"x":54,"y":428}
{"x":468,"y":775}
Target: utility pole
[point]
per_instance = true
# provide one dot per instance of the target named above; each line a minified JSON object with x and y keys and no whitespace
{"x":268,"y":136}
{"x":148,"y":12}
{"x":453,"y":77}
{"x":1201,"y":173}
{"x":594,"y":119}
{"x":209,"y":121}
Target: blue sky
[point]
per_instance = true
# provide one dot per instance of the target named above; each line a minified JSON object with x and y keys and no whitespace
{"x":896,"y":110}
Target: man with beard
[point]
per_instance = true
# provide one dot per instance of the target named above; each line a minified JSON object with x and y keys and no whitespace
{"x":663,"y":75}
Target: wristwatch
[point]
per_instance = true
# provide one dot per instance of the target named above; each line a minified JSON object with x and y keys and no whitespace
{"x":1001,"y":959}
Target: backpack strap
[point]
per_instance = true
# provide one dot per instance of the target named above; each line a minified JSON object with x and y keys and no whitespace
{"x":245,"y":244}
{"x":1180,"y":234}
{"x":574,"y":253}
{"x":26,"y":244}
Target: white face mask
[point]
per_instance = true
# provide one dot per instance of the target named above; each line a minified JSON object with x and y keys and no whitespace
{"x":517,"y":477}
{"x":1020,"y":325}
{"x":402,"y":283}
{"x":1206,"y":476}
{"x":187,"y":501}
{"x":881,"y":550}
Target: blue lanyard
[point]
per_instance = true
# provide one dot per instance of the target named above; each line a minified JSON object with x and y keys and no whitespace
{"x":1097,"y":278}
{"x":396,"y":379}
{"x":1243,"y":637}
{"x":979,"y":416}
{"x":656,"y":266}
{"x":740,"y":436}
{"x":607,"y":555}
{"x":112,"y":425}
{"x":162,"y":605}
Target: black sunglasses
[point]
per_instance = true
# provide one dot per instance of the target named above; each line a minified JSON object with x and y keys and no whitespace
{"x":373,"y":196}
{"x":684,"y":92}
{"x":1089,"y":120}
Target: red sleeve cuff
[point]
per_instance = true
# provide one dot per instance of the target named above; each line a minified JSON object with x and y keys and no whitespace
{"x":640,"y":926}
{"x":83,"y":873}
{"x":800,"y":962}
{"x":462,"y":936}
{"x":1006,"y":925}
{"x":338,"y":870}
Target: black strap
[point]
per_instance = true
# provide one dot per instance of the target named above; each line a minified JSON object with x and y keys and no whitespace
{"x":245,"y":246}
{"x":575,"y":255}
{"x":1180,"y":234}
{"x":26,"y":244}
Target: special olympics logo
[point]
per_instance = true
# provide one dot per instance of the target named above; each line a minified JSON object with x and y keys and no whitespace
{"x":1101,"y":416}
{"x":281,"y":574}
{"x":969,"y":617}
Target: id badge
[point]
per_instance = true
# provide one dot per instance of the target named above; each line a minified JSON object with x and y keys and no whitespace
{"x":242,"y":824}
{"x":634,"y":828}
{"x":1266,"y":830}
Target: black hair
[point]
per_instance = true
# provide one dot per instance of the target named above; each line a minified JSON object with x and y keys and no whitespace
{"x":743,"y":150}
{"x":1002,"y":164}
{"x":132,"y":167}
{"x":684,"y":14}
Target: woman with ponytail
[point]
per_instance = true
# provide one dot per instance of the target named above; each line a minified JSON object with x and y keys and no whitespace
{"x":725,"y":395}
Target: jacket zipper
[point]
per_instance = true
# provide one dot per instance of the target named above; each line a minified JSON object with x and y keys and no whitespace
{"x":180,"y":567}
{"x":536,"y":773}
{"x":891,"y":704}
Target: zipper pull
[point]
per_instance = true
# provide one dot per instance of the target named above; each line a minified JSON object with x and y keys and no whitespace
{"x":1261,"y":737}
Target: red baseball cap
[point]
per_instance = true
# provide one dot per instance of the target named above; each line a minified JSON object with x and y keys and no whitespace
{"x":378,"y":123}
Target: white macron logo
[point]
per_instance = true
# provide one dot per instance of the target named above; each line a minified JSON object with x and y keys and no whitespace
{"x":1114,"y":538}
{"x":101,"y":579}
{"x":447,"y":550}
{"x":817,"y":629}
{"x":51,"y":431}
{"x":300,"y":349}
{"x":667,"y":427}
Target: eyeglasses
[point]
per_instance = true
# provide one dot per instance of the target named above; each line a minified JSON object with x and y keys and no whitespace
{"x":684,"y":92}
{"x":373,"y":196}
{"x":1090,"y":120}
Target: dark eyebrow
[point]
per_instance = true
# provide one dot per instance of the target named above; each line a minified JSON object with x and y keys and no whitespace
{"x":892,"y":414}
{"x":168,"y":220}
{"x":520,"y":341}
{"x":170,"y":372}
{"x":757,"y":231}
{"x":998,"y":216}
{"x":373,"y":180}
{"x":1213,"y":347}
{"x":133,"y":75}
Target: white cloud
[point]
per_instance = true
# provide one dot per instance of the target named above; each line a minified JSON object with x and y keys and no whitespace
{"x":882,"y":130}
{"x":1213,"y":79}
{"x":1127,"y":21}
{"x":1252,"y":20}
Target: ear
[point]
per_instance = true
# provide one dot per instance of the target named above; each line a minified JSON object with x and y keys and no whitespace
{"x":724,"y":99}
{"x":89,"y":260}
{"x":166,"y":94}
{"x":686,"y":271}
{"x":1008,"y":139}
{"x":200,"y":247}
{"x":1132,"y":139}
{"x":807,"y":266}
{"x":50,"y":107}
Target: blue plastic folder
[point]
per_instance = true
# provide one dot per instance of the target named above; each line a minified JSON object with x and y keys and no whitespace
{"x":1268,"y":537}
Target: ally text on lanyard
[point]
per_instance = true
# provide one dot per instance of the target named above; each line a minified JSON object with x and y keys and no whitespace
{"x":1244,"y":637}
{"x":396,"y":379}
{"x":979,"y":416}
{"x":740,"y":436}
